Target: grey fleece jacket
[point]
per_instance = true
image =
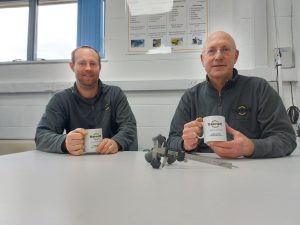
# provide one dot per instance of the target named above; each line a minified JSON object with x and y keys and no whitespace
{"x":68,"y":110}
{"x":249,"y":105}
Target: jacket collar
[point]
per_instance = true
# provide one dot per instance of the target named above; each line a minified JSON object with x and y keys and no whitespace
{"x":102,"y":89}
{"x":229,"y":83}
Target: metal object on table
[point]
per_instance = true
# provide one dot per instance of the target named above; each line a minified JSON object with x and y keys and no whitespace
{"x":161,"y":152}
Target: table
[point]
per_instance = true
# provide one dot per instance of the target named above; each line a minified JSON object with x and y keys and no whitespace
{"x":39,"y":188}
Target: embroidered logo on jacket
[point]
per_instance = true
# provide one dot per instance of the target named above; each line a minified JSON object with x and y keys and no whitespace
{"x":242,"y":110}
{"x":107,"y":107}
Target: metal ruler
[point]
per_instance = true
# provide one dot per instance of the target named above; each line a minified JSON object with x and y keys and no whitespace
{"x":205,"y":159}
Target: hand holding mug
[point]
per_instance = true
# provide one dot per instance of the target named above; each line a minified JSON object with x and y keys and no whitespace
{"x":240,"y":145}
{"x":190,"y":134}
{"x":75,"y":141}
{"x":212,"y":128}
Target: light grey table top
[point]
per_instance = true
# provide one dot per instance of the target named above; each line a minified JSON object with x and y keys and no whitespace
{"x":40,"y":188}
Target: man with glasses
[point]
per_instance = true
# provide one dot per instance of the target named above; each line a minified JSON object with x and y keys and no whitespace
{"x":257,"y":123}
{"x":88,"y":104}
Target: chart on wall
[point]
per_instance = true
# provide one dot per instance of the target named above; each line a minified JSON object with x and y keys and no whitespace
{"x":164,"y":26}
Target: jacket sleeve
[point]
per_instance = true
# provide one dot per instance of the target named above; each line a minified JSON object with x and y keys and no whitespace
{"x":182,"y":116}
{"x":278,"y":138}
{"x":49,"y":135}
{"x":126,"y":135}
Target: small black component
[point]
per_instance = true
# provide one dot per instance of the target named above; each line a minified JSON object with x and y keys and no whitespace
{"x":293,"y":113}
{"x":148,"y":156}
{"x":155,"y":162}
{"x":180,"y":156}
{"x":171,"y":159}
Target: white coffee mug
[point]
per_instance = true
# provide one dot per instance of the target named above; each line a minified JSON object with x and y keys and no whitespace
{"x":92,"y":139}
{"x":214,"y":129}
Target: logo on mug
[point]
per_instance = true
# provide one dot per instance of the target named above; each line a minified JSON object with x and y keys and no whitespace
{"x":215,"y":124}
{"x":95,"y":136}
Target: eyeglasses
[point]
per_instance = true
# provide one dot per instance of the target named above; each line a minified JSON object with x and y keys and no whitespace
{"x":212,"y":51}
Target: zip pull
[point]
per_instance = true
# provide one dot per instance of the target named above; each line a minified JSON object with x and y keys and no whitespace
{"x":220,"y":99}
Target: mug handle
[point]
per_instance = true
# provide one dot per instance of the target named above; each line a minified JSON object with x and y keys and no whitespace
{"x":201,"y":137}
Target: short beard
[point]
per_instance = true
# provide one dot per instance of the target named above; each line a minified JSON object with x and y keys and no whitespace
{"x":87,"y":87}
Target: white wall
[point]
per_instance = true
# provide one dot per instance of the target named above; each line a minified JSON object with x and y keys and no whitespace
{"x":26,"y":88}
{"x":123,"y":66}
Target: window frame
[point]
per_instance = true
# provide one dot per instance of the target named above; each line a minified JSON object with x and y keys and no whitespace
{"x":92,"y":37}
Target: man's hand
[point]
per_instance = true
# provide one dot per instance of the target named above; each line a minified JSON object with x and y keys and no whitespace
{"x":190,"y":134}
{"x":239,"y":146}
{"x":75,"y":141}
{"x":108,"y":146}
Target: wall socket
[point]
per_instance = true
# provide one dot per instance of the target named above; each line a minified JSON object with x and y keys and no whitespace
{"x":287,"y":58}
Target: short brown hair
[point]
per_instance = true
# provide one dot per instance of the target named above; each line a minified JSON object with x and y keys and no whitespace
{"x":84,"y":46}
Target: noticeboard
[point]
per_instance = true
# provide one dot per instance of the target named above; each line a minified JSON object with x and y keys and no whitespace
{"x":165,"y":26}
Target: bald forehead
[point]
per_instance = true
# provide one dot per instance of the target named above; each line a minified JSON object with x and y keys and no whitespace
{"x":85,"y":51}
{"x":218,"y":38}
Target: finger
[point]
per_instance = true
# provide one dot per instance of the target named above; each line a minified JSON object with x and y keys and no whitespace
{"x":193,"y":137}
{"x":76,"y":147}
{"x":199,"y":119}
{"x":187,"y":135}
{"x":77,"y":142}
{"x":226,"y":153}
{"x":189,"y":124}
{"x":75,"y":136}
{"x":191,"y":133}
{"x":198,"y":122}
{"x":72,"y":140}
{"x":222,"y":144}
{"x":114,"y":146}
{"x":224,"y":150}
{"x":230,"y":130}
{"x":76,"y":153}
{"x":81,"y":131}
{"x":102,"y":145}
{"x":190,"y":140}
{"x":111,"y":149}
{"x":105,"y":148}
{"x":193,"y":123}
{"x":218,"y":150}
{"x":190,"y":130}
{"x":189,"y":145}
